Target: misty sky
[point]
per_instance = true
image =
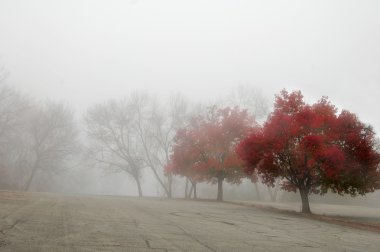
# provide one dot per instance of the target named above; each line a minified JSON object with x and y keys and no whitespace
{"x":87,"y":51}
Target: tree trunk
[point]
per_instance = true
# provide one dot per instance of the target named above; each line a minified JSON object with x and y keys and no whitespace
{"x":160,"y":181}
{"x":151,"y":164}
{"x":191,"y":190}
{"x":186,"y":188}
{"x":305,"y":200}
{"x":195,"y":190}
{"x":170,"y":183}
{"x":220,"y":189}
{"x":138,"y":186}
{"x":29,"y":182}
{"x":257,"y":191}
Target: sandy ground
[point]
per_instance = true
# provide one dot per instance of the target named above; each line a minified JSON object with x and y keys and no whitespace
{"x":48,"y":222}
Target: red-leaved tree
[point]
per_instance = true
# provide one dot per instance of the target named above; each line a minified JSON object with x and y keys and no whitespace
{"x":185,"y":157}
{"x":205,"y":150}
{"x":313,"y":148}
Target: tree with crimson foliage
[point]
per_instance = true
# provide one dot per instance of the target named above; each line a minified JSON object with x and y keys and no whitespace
{"x":205,"y":150}
{"x":313,"y":148}
{"x":184,"y":158}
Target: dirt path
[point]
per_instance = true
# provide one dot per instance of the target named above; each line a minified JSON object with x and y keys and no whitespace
{"x":48,"y":222}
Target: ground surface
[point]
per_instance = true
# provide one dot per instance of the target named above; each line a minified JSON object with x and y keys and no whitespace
{"x":360,"y":216}
{"x":358,"y":213}
{"x":48,"y":222}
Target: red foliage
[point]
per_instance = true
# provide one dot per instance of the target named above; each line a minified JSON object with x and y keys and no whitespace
{"x":205,"y":150}
{"x":313,"y":148}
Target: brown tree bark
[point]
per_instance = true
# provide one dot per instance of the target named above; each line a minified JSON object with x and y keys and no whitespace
{"x":139,"y":187}
{"x":195,"y":190}
{"x":186,"y":188}
{"x":305,"y":201}
{"x":220,"y":189}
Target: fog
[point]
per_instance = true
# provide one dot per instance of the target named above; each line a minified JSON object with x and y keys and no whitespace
{"x":84,"y":53}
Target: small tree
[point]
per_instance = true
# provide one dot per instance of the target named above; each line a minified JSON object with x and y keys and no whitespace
{"x":14,"y":111}
{"x":114,"y":144}
{"x":51,"y":139}
{"x":184,"y":158}
{"x":313,"y":148}
{"x":206,"y":150}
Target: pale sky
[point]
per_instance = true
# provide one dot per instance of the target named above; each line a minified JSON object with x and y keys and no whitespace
{"x":88,"y":51}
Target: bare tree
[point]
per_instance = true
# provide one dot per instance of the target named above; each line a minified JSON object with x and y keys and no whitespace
{"x":114,"y":143}
{"x":156,"y":125}
{"x":134,"y":133}
{"x":50,"y":139}
{"x":14,"y":109}
{"x":171,"y":116}
{"x":145,"y":108}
